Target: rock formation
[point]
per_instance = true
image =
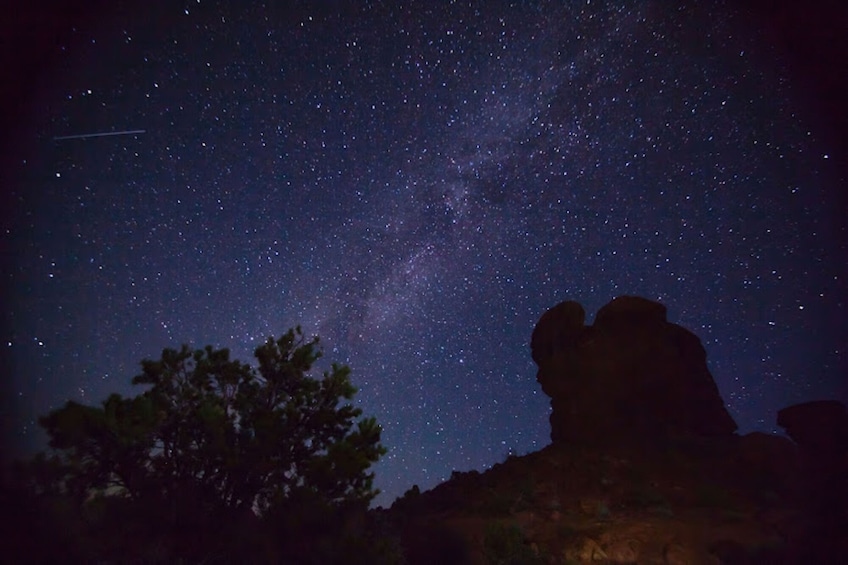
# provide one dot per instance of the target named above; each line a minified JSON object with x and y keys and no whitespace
{"x":820,"y":427}
{"x":644,"y":467}
{"x":631,"y":376}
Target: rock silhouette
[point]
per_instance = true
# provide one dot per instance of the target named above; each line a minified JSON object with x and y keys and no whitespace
{"x":820,"y":427}
{"x":631,"y":376}
{"x":644,"y":466}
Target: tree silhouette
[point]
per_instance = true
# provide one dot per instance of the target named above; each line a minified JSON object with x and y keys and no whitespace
{"x":211,"y":443}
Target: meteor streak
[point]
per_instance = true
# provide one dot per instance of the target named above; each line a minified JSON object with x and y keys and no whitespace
{"x":101,"y":134}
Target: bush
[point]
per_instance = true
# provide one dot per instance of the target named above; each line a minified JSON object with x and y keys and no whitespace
{"x":504,"y":544}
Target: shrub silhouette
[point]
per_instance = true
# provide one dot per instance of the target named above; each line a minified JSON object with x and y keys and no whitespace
{"x":212,"y":446}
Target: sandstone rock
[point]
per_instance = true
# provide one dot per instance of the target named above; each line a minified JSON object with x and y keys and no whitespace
{"x":630,"y":376}
{"x":557,"y":327}
{"x":623,"y":551}
{"x":589,"y":551}
{"x":594,"y":507}
{"x":625,"y":310}
{"x":678,"y":554}
{"x":770,"y":461}
{"x":644,"y":466}
{"x":819,"y":427}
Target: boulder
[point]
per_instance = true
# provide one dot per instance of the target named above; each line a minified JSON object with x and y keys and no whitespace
{"x":628,"y":310}
{"x":556,"y":329}
{"x":820,"y":427}
{"x":631,"y":376}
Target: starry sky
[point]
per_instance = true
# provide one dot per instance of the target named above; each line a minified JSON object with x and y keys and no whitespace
{"x":417,"y":185}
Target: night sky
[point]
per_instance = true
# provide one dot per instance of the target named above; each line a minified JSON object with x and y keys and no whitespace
{"x":417,"y":186}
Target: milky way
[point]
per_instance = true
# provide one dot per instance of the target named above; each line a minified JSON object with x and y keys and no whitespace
{"x":417,"y":186}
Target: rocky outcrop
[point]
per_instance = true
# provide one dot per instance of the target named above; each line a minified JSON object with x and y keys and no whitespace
{"x":645,"y":466}
{"x":558,"y":327}
{"x":631,"y":376}
{"x":820,"y":427}
{"x":698,"y":502}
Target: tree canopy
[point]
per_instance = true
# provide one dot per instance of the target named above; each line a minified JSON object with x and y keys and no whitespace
{"x":212,"y":438}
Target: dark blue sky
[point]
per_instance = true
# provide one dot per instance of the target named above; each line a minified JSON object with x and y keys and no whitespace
{"x":417,"y":186}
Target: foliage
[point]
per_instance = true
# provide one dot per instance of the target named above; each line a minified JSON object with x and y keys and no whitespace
{"x":438,"y":542}
{"x":497,"y":502}
{"x":526,"y":492}
{"x":504,"y":544}
{"x":214,"y":443}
